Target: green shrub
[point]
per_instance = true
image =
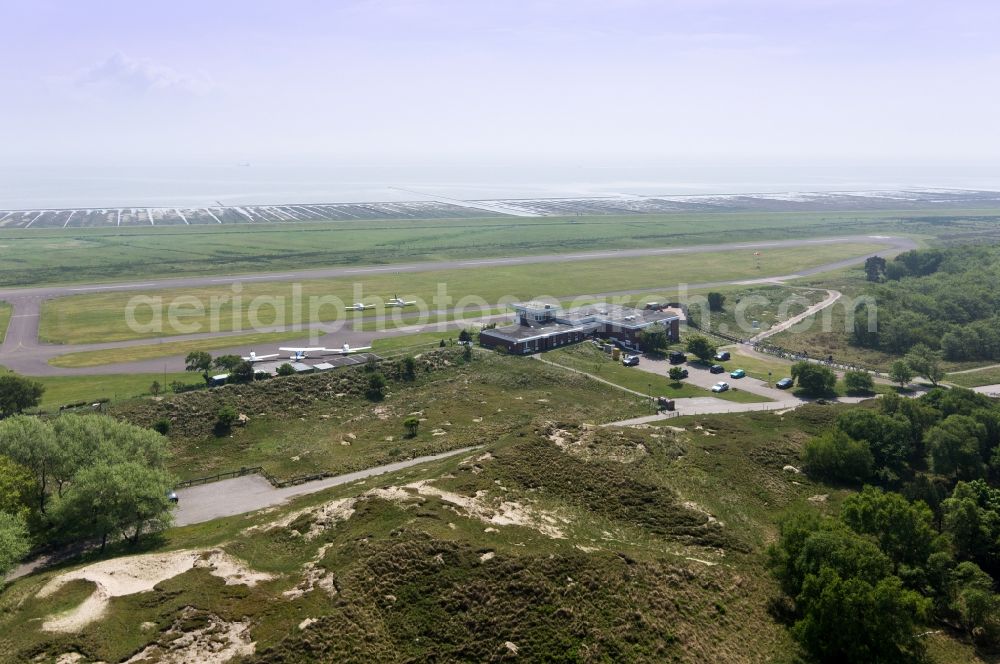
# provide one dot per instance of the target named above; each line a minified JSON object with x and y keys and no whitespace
{"x":836,"y":456}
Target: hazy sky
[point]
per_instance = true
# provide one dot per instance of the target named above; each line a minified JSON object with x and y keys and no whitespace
{"x":556,"y":82}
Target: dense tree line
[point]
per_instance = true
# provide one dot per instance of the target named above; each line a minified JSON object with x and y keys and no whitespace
{"x":921,"y":542}
{"x":78,"y":477}
{"x":944,"y":299}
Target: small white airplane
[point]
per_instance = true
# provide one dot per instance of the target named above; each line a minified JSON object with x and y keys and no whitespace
{"x":397,"y":301}
{"x":359,"y":306}
{"x":300,"y":353}
{"x":254,"y":357}
{"x":347,"y":350}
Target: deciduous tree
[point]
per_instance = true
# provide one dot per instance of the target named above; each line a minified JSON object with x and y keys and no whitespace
{"x":858,"y":382}
{"x":814,"y":379}
{"x":701,"y":347}
{"x":716,"y":301}
{"x":243,"y":372}
{"x":953,"y":447}
{"x":14,"y":543}
{"x":926,"y":362}
{"x":900,"y":373}
{"x":836,"y":456}
{"x":18,"y":393}
{"x":199,"y":360}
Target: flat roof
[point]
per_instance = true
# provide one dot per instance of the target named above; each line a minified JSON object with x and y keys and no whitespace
{"x":327,"y":363}
{"x":537,"y":305}
{"x":615,"y":314}
{"x":529,"y":332}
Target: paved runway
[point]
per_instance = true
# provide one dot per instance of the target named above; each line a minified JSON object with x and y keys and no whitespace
{"x":23,"y":352}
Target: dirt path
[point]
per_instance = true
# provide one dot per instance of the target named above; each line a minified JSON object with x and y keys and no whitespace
{"x":831,"y":297}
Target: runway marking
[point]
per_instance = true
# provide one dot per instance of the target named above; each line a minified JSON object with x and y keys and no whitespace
{"x":181,"y":215}
{"x":266,"y":276}
{"x":26,"y":316}
{"x":113,"y":286}
{"x":119,"y":217}
{"x":68,"y":218}
{"x":492,"y":262}
{"x":149,"y":213}
{"x":212,"y":215}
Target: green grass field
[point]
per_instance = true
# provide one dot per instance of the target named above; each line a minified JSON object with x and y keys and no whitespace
{"x":62,"y":390}
{"x":829,"y":332}
{"x":94,"y":358}
{"x":765,"y":304}
{"x":985,"y":376}
{"x":40,"y":256}
{"x":5,"y":313}
{"x":98,"y":317}
{"x":757,"y":367}
{"x":412,"y":343}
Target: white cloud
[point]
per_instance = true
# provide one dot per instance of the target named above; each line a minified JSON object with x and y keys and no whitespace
{"x":138,"y":77}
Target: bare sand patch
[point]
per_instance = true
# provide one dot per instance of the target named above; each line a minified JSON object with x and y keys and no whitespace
{"x":136,"y":574}
{"x":504,"y":513}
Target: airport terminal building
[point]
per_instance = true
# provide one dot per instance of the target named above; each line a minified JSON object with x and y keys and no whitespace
{"x":542,"y":326}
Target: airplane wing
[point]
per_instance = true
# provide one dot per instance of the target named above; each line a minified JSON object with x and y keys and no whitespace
{"x":302,"y":350}
{"x":346,"y":350}
{"x":258,"y":358}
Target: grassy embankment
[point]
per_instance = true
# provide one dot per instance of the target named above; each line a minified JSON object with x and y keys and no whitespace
{"x":324,"y":422}
{"x":98,"y":317}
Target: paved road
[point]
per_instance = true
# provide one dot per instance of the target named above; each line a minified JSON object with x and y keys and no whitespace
{"x":240,"y":495}
{"x":23,"y":352}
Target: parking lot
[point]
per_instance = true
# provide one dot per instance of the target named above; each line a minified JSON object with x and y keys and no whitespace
{"x":698,"y":374}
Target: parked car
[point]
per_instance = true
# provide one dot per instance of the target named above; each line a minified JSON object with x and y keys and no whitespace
{"x":684,"y":372}
{"x":784,"y":383}
{"x":739,"y":373}
{"x":172,"y":496}
{"x":630,"y":360}
{"x":677,"y":357}
{"x":721,"y":386}
{"x":717,"y":368}
{"x":722,"y":356}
